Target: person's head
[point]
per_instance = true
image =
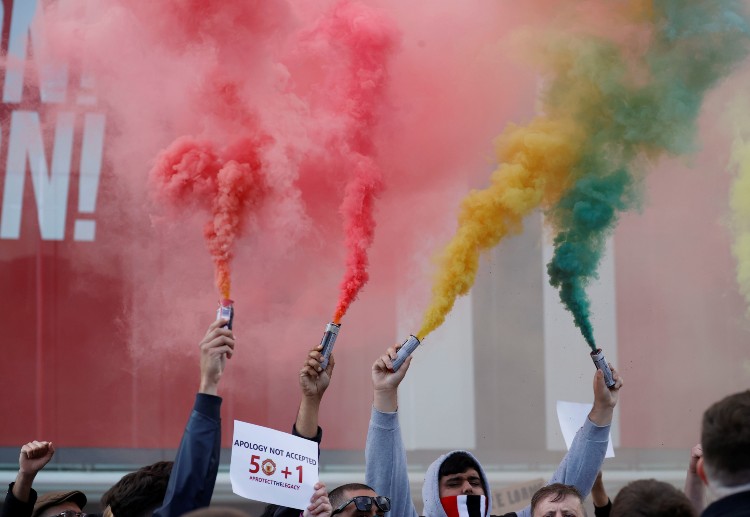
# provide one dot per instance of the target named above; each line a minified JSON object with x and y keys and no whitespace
{"x":557,"y":500}
{"x":725,"y":438}
{"x":55,"y":503}
{"x":139,"y":493}
{"x":651,"y":498}
{"x":455,"y":482}
{"x":460,"y":474}
{"x":356,"y":499}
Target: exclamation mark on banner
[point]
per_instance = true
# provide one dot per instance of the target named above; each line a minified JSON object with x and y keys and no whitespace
{"x":90,"y":171}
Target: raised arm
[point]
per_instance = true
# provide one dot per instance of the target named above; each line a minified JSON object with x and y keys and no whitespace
{"x":313,"y":382}
{"x":583,"y":461}
{"x":196,"y":465}
{"x":602,"y":502}
{"x":19,"y":502}
{"x":385,"y":458}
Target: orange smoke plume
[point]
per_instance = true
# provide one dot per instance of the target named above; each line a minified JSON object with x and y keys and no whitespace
{"x":228,"y":185}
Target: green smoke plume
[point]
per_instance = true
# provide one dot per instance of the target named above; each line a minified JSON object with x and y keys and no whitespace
{"x":640,"y":102}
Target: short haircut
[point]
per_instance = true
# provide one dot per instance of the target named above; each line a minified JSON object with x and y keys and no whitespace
{"x":458,"y":463}
{"x":725,"y":438}
{"x":651,"y":498}
{"x":139,"y":493}
{"x":338,"y":495}
{"x":559,"y":492}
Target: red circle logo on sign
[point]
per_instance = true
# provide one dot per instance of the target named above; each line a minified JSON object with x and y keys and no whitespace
{"x":268,"y":466}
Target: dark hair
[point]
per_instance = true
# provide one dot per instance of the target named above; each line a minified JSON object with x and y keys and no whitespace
{"x":140,"y":492}
{"x":458,"y":463}
{"x":559,"y":491}
{"x":338,"y":495}
{"x":651,"y":498}
{"x":725,"y":438}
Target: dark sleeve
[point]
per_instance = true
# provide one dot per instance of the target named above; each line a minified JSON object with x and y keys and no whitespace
{"x":317,"y":438}
{"x":12,"y":507}
{"x":196,"y":465}
{"x":603,"y":511}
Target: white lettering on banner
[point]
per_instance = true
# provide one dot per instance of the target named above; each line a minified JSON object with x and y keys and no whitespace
{"x":26,"y":146}
{"x":53,"y":76}
{"x":50,"y":189}
{"x":90,"y":171}
{"x":272,"y":467}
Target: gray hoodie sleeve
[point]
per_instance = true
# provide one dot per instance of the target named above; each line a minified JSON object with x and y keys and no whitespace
{"x":583,"y":461}
{"x":385,"y":463}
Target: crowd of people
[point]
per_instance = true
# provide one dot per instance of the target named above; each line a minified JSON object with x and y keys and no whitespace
{"x":455,"y":484}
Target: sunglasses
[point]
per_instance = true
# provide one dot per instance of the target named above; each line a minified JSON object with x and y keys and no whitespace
{"x":364,"y":504}
{"x":71,"y":513}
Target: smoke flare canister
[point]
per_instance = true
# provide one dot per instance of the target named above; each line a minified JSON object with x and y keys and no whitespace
{"x":226,"y":312}
{"x":601,"y":364}
{"x":329,"y":338}
{"x":405,"y":351}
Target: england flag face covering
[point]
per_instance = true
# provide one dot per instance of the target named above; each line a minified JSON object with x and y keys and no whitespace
{"x":465,"y":505}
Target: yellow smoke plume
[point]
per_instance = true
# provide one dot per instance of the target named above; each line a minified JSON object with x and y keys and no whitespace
{"x":535,"y":169}
{"x":740,"y":205}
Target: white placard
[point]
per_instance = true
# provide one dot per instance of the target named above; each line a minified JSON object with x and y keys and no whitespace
{"x":572,"y":416}
{"x":273,"y":467}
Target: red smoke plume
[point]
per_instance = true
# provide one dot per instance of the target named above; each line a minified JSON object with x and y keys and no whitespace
{"x":365,"y":39}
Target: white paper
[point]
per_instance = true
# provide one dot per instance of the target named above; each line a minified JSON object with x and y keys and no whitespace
{"x":273,"y":467}
{"x":572,"y":416}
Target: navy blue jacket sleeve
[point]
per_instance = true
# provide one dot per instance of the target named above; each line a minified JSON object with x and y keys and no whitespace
{"x":12,"y":507}
{"x":196,"y":465}
{"x":317,"y":438}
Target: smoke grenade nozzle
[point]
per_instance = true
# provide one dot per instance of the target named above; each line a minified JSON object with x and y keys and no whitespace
{"x":601,"y":364}
{"x":226,"y":312}
{"x":405,"y":351}
{"x":329,"y":338}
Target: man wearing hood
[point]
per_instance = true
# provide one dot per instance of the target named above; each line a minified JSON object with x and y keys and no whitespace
{"x":456,"y":484}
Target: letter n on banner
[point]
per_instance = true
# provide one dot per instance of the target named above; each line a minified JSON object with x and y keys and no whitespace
{"x":50,"y":185}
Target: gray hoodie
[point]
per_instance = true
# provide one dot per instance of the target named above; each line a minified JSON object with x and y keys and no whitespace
{"x":386,"y":470}
{"x":431,"y":486}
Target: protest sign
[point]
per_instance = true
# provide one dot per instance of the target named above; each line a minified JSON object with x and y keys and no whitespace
{"x":515,"y":497}
{"x":273,"y":467}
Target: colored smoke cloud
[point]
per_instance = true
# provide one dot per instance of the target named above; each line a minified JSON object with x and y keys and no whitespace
{"x":740,"y":205}
{"x":534,"y":164}
{"x":633,"y":95}
{"x":369,"y":112}
{"x":364,"y":40}
{"x":190,"y":173}
{"x":214,"y":73}
{"x":636,"y":118}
